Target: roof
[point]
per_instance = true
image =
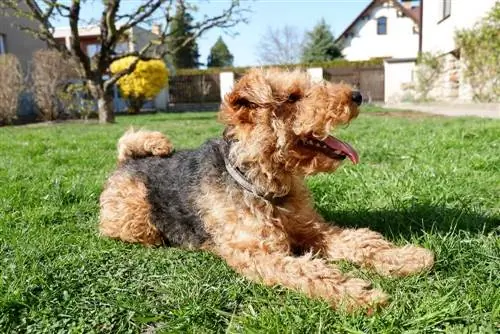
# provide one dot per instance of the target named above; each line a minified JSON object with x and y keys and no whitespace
{"x":413,"y":13}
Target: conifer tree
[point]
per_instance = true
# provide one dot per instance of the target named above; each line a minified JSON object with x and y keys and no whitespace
{"x":181,"y":30}
{"x":219,"y":55}
{"x":320,"y":45}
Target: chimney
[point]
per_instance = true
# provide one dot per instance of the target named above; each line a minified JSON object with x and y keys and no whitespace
{"x":156,"y":29}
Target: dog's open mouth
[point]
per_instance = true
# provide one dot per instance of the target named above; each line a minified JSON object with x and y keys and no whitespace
{"x":332,"y":147}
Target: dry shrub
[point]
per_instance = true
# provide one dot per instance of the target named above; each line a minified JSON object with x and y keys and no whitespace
{"x":50,"y":72}
{"x":11,"y":86}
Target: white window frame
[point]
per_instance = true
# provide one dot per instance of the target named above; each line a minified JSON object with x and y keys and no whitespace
{"x":445,"y":10}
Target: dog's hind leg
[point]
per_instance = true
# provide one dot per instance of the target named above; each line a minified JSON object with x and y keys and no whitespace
{"x":138,"y":144}
{"x":125,"y":211}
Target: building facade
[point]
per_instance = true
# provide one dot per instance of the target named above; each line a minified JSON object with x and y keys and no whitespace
{"x":441,"y":20}
{"x":136,"y":38}
{"x":16,"y":42}
{"x":384,"y":29}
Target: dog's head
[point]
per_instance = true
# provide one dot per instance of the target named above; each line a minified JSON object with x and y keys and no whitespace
{"x":283,"y":119}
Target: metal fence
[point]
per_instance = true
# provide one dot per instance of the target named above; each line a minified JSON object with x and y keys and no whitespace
{"x":199,"y":88}
{"x":369,"y":80}
{"x":202,"y":89}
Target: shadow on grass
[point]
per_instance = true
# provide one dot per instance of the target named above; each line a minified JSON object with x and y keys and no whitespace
{"x":416,"y":220}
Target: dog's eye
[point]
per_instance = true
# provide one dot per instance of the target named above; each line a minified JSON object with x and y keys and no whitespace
{"x":242,"y":102}
{"x":294,"y":97}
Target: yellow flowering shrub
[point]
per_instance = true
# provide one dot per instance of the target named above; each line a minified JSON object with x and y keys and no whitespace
{"x":145,"y":82}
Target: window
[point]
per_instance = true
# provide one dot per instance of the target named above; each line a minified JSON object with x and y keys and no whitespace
{"x":92,"y":49}
{"x":121,"y":48}
{"x":382,"y":25}
{"x":2,"y":44}
{"x":446,"y":4}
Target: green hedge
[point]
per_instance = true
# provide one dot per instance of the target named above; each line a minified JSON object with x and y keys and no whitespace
{"x":329,"y":64}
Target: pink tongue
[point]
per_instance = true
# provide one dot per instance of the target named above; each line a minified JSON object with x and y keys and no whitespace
{"x":346,"y":149}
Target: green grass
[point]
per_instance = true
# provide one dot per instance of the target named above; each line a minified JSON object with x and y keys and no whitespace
{"x":430,"y":181}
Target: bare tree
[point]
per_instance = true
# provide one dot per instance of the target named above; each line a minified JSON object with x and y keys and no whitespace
{"x":280,"y":46}
{"x":11,"y":86}
{"x":115,"y":26}
{"x":50,"y":70}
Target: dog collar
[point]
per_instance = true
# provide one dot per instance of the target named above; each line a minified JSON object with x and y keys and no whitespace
{"x":240,"y":178}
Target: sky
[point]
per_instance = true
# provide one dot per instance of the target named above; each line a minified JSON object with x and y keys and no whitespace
{"x":302,"y":14}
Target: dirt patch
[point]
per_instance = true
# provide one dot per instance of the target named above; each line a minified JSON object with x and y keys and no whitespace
{"x":403,"y":114}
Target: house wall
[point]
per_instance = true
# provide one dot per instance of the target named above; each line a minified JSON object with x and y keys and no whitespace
{"x":89,"y":39}
{"x":141,"y":37}
{"x":18,"y":43}
{"x":438,"y":38}
{"x":398,"y":76}
{"x":438,"y":32}
{"x":399,"y":42}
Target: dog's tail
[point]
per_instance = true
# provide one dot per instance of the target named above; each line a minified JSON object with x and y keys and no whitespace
{"x":139,"y":144}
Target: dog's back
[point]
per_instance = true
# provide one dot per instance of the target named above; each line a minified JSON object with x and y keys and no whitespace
{"x":172,"y":183}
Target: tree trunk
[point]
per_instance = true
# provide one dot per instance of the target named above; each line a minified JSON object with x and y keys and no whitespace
{"x":104,"y":101}
{"x":135,"y":105}
{"x":105,"y":108}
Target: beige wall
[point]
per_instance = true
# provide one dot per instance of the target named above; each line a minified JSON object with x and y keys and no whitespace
{"x":438,"y":32}
{"x":17,"y":42}
{"x":438,"y":37}
{"x":398,"y":74}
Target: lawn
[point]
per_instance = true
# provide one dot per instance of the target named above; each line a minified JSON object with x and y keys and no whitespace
{"x":431,"y":181}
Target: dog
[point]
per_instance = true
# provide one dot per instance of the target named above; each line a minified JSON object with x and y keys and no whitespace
{"x":243,"y":196}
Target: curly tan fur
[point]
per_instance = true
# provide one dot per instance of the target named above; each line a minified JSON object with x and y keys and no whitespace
{"x":125,"y":211}
{"x":139,"y":144}
{"x":267,"y":116}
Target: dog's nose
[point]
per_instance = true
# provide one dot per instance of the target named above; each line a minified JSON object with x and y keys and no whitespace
{"x":357,"y":98}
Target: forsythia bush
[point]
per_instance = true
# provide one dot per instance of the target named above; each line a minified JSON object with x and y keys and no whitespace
{"x":145,"y":82}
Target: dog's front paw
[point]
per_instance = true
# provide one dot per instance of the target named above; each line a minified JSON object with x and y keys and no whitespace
{"x":359,"y":294}
{"x":403,"y":261}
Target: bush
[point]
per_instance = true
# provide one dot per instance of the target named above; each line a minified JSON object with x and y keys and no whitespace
{"x":50,"y":73}
{"x":429,"y":69}
{"x":480,"y":49}
{"x":77,"y":101}
{"x":11,"y":86}
{"x":145,"y":82}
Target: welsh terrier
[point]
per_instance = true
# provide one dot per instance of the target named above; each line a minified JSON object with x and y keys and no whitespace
{"x":243,"y":197}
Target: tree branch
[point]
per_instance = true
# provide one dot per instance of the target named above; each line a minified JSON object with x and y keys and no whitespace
{"x":224,"y":21}
{"x":76,"y":49}
{"x":142,"y":13}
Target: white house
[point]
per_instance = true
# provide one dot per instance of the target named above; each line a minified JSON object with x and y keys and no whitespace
{"x":441,"y":19}
{"x":384,"y":29}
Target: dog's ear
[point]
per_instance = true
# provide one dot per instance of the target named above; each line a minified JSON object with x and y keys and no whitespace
{"x":238,"y":108}
{"x":237,"y":100}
